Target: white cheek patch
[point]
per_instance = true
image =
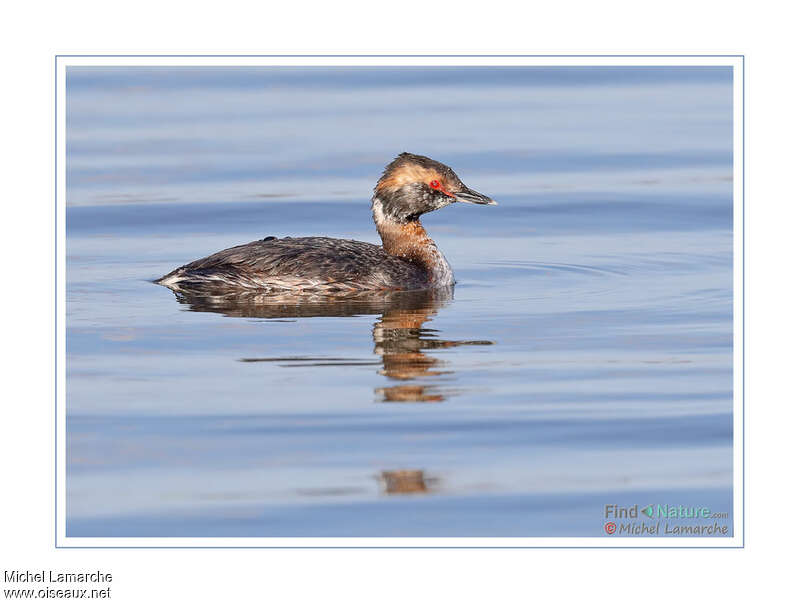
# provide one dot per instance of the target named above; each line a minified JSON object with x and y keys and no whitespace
{"x":377,"y":210}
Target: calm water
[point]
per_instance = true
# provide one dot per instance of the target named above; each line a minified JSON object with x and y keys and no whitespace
{"x":584,"y":358}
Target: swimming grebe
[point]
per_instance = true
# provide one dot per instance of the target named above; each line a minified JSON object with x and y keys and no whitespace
{"x":410,"y":186}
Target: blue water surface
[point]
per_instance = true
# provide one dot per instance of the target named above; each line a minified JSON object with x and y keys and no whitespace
{"x":583,"y":359}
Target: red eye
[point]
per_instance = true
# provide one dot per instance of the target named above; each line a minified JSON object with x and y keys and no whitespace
{"x":435,"y":184}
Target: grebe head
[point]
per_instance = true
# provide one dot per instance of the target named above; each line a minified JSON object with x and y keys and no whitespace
{"x":414,"y":184}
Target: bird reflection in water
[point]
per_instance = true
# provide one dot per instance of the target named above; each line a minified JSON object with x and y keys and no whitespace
{"x":400,"y":339}
{"x":404,"y":482}
{"x":403,"y":343}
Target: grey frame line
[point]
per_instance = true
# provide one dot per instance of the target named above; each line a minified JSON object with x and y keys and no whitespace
{"x":56,"y":309}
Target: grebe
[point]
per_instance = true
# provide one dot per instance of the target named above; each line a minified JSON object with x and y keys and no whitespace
{"x":410,"y":186}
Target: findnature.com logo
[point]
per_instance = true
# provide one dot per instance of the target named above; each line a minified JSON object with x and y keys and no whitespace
{"x":664,"y":519}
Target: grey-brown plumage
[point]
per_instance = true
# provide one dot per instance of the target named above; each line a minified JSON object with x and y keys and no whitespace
{"x":411,"y":185}
{"x":299,"y":263}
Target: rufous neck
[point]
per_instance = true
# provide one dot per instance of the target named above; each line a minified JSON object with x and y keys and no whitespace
{"x":410,"y":241}
{"x":406,"y":239}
